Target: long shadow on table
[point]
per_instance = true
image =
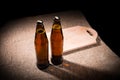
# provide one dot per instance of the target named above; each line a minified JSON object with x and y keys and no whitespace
{"x":72,"y":71}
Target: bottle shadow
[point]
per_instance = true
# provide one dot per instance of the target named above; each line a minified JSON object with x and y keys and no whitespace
{"x":61,"y":73}
{"x":72,"y":71}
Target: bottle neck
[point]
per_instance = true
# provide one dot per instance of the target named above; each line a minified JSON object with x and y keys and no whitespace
{"x":57,"y":22}
{"x":40,"y":28}
{"x":56,"y":25}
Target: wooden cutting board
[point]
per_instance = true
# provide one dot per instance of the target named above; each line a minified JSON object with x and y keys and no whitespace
{"x":78,"y":37}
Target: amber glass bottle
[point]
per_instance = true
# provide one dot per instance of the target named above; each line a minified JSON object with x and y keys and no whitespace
{"x":56,"y":39}
{"x":41,"y":46}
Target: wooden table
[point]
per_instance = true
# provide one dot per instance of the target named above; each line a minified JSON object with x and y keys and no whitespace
{"x":18,"y":59}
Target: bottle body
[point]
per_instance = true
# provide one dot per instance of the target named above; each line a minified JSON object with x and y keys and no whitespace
{"x":41,"y":47}
{"x":56,"y":43}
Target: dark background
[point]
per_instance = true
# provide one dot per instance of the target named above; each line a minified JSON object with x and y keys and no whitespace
{"x":102,"y":15}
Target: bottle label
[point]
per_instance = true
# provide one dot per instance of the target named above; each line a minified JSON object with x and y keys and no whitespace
{"x":41,"y":31}
{"x":56,"y":26}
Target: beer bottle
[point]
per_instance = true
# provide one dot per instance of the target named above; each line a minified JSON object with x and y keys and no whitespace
{"x":41,"y":46}
{"x":56,"y":38}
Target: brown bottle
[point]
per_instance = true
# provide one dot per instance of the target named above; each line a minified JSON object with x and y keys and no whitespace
{"x":41,"y":46}
{"x":56,"y":38}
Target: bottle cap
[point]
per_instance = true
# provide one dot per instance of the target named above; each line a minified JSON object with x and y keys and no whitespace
{"x":40,"y":21}
{"x":56,"y":17}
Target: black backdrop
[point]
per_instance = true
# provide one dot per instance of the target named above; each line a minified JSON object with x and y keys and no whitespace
{"x":102,"y":15}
